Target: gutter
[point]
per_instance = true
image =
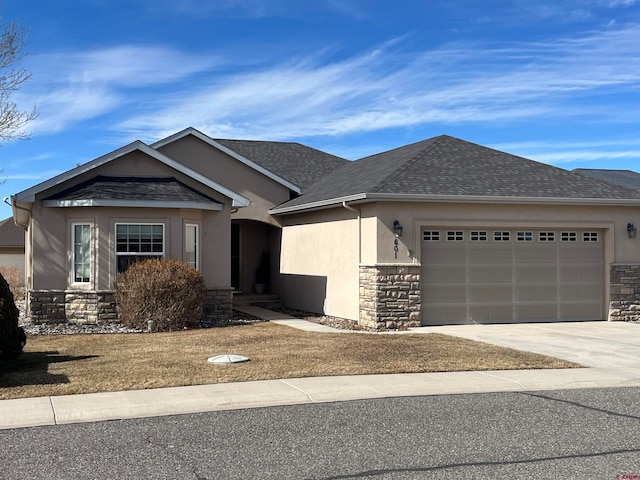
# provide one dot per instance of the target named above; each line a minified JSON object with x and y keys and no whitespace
{"x":15,"y":213}
{"x":486,"y":199}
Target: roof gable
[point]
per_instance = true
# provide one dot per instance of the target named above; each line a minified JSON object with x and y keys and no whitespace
{"x":29,"y":194}
{"x":228,"y":151}
{"x":447,"y":167}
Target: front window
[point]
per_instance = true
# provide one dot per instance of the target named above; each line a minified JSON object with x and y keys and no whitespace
{"x":136,"y":242}
{"x":191,"y":245}
{"x":81,"y":253}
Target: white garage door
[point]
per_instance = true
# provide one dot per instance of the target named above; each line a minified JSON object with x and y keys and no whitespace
{"x":511,"y":275}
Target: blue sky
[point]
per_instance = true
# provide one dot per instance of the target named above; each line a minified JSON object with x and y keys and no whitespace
{"x":552,"y":80}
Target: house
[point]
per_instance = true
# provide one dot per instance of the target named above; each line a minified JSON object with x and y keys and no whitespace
{"x":622,"y":178}
{"x":437,"y":232}
{"x":11,"y":245}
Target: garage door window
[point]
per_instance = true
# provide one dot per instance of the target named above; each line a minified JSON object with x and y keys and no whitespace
{"x":455,"y":236}
{"x":547,"y":237}
{"x":590,"y":237}
{"x":569,"y":237}
{"x":431,"y":236}
{"x":478,"y":236}
{"x":501,"y":236}
{"x":525,"y":236}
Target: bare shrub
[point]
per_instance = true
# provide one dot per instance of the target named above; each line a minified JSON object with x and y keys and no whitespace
{"x":168,"y":292}
{"x":13,"y":276}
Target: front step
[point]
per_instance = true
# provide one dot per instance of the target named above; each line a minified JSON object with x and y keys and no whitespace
{"x":268,"y":301}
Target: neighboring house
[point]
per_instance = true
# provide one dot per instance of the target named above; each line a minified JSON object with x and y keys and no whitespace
{"x":11,"y":245}
{"x":440,"y":231}
{"x":622,"y":178}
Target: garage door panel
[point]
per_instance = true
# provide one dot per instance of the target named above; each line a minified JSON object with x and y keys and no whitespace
{"x":579,"y":292}
{"x":451,"y":315}
{"x":580,"y":273}
{"x":536,"y":293}
{"x":490,"y":313}
{"x":494,"y":274}
{"x":536,"y":312}
{"x":534,"y":254}
{"x":498,"y":254}
{"x":445,"y":274}
{"x":445,"y":294}
{"x":490,"y":293}
{"x":445,"y":254}
{"x":535,"y":273}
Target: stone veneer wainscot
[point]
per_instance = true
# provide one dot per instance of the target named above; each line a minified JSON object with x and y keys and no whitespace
{"x":625,"y":293}
{"x":91,"y":307}
{"x":389,"y":296}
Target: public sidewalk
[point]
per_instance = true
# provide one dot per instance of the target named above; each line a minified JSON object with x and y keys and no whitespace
{"x":612,"y":338}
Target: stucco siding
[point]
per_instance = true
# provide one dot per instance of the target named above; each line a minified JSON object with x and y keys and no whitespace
{"x":319,"y":263}
{"x":263,"y":192}
{"x":52,"y":258}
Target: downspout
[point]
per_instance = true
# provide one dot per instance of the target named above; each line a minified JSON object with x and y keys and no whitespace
{"x":357,"y":212}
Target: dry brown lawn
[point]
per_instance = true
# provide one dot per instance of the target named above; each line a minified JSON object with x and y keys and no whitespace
{"x":70,"y":364}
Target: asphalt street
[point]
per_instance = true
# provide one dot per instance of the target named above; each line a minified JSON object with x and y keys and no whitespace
{"x":576,"y":434}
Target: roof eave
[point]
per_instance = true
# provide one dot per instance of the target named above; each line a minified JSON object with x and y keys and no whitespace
{"x":394,"y":197}
{"x":228,"y":151}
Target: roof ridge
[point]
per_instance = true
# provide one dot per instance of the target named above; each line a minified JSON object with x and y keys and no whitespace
{"x":410,"y":161}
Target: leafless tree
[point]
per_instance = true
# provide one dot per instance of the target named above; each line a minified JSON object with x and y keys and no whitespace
{"x":12,"y":118}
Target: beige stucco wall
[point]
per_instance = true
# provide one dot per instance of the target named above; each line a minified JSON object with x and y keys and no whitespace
{"x":263,"y":192}
{"x":52,"y":242}
{"x":319,"y":263}
{"x":49,"y":258}
{"x":12,"y":257}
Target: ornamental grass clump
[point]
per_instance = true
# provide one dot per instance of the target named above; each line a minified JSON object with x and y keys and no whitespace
{"x":166,"y":292}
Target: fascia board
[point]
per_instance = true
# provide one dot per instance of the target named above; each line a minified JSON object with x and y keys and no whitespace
{"x":228,"y":151}
{"x":133,"y":204}
{"x":502,"y":199}
{"x":393,"y":197}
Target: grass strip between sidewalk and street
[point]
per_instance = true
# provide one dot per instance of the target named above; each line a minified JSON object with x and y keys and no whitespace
{"x":74,"y":364}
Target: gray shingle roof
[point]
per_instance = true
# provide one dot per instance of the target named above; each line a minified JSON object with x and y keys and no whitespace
{"x":132,"y":188}
{"x":623,"y":178}
{"x":446,"y":165}
{"x":11,"y":235}
{"x":297,"y":163}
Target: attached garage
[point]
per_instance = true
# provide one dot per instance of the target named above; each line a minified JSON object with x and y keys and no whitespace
{"x":502,"y":275}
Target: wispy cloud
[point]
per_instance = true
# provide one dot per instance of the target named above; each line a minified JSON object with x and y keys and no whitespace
{"x":72,"y":86}
{"x":388,"y":88}
{"x":151,"y":91}
{"x":559,"y":153}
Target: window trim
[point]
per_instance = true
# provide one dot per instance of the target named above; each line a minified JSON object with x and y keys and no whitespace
{"x":140,"y":254}
{"x":197,"y":244}
{"x":73,"y":279}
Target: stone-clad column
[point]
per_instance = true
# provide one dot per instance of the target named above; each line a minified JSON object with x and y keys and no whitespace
{"x":625,"y":293}
{"x":389,"y":296}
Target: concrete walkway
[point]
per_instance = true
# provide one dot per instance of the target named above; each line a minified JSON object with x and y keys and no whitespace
{"x":612,"y":349}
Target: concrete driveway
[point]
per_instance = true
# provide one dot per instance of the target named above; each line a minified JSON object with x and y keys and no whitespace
{"x":592,"y":344}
